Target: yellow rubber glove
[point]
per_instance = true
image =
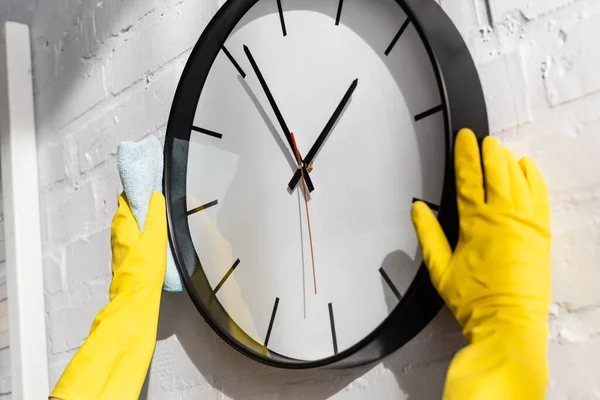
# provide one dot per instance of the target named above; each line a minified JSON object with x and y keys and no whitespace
{"x":497,"y":281}
{"x":113,"y":361}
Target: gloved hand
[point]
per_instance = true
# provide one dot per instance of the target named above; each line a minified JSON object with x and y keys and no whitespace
{"x":497,"y":281}
{"x":113,"y":361}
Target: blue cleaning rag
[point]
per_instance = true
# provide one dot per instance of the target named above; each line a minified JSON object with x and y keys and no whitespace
{"x":140,"y":167}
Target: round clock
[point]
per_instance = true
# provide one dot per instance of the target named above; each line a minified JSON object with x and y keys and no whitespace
{"x":300,"y":134}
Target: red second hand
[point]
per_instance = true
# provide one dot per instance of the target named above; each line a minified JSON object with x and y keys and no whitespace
{"x":312,"y":254}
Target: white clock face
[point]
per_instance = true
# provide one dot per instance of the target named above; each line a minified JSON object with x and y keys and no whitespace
{"x":310,"y":292}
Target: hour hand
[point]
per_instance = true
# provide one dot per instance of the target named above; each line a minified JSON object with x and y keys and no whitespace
{"x":275,"y":108}
{"x":312,"y":153}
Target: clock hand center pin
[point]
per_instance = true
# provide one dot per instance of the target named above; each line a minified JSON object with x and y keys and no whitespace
{"x":301,"y":167}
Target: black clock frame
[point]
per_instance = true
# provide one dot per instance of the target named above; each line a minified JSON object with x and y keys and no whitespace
{"x":464,"y":106}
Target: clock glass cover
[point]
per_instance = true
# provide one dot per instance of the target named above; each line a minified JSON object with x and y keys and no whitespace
{"x":309,"y":128}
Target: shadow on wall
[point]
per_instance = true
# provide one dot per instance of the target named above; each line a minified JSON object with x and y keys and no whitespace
{"x":419,"y":367}
{"x":232,"y":373}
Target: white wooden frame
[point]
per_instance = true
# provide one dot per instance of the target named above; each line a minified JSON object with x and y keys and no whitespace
{"x":26,"y":312}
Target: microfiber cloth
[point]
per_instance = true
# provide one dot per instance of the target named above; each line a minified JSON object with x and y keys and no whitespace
{"x":140,"y":167}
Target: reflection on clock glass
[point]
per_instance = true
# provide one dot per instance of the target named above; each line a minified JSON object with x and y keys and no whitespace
{"x":318,"y":125}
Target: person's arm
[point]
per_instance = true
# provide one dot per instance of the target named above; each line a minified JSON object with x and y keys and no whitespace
{"x":497,"y":281}
{"x":113,"y":361}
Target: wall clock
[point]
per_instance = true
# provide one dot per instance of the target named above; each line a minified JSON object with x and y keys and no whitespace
{"x":299,"y":136}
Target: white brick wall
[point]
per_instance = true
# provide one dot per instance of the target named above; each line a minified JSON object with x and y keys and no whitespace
{"x":106,"y":71}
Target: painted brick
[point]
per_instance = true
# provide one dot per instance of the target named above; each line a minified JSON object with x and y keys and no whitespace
{"x":52,"y":163}
{"x":106,"y":188}
{"x":145,"y":52}
{"x":72,"y":298}
{"x":575,"y":209}
{"x":182,"y":375}
{"x":583,"y":145}
{"x":575,"y":270}
{"x":55,"y":371}
{"x":114,"y":18}
{"x":95,"y":146}
{"x":79,"y":85}
{"x":57,"y":366}
{"x":49,"y":37}
{"x":69,"y":212}
{"x":574,"y":326}
{"x":568,"y":378}
{"x":571,"y":72}
{"x":70,"y":326}
{"x":134,"y":117}
{"x":71,"y":83}
{"x":89,"y":259}
{"x":508,"y":102}
{"x":54,"y":272}
{"x":530,"y":9}
{"x":147,"y":111}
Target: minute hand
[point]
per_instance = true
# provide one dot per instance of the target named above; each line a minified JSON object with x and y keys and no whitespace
{"x":323,"y":136}
{"x":282,"y":123}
